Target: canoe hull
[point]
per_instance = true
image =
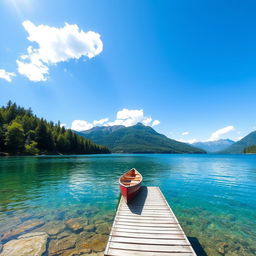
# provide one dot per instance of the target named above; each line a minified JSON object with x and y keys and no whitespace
{"x":129,"y":193}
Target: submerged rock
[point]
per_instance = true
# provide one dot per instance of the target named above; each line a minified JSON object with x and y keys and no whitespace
{"x":222,"y":248}
{"x":89,"y":228}
{"x":76,"y":224}
{"x":103,"y":228}
{"x":26,"y":226}
{"x":58,"y":246}
{"x":97,"y":243}
{"x":25,"y":216}
{"x":63,"y":234}
{"x":77,"y":252}
{"x":53,"y":227}
{"x":9,"y":224}
{"x":32,"y":244}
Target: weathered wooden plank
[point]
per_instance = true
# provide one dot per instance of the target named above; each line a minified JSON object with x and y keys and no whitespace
{"x":149,"y":231}
{"x":142,"y":217}
{"x":169,"y":235}
{"x":150,"y":241}
{"x":153,"y":220}
{"x":143,"y":224}
{"x":147,"y":227}
{"x":117,"y":252}
{"x":150,"y":227}
{"x":165,"y":212}
{"x":151,"y":248}
{"x":146,"y":215}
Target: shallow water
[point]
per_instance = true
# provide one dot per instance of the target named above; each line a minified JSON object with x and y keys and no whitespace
{"x":213,"y":196}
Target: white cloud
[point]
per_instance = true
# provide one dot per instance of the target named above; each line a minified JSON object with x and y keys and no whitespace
{"x":191,"y":141}
{"x":129,"y":117}
{"x":185,"y":133}
{"x":6,"y":75}
{"x":81,"y":125}
{"x":147,"y":121}
{"x":125,"y":117}
{"x":55,"y":45}
{"x":100,"y":122}
{"x":156,"y":122}
{"x":217,"y":134}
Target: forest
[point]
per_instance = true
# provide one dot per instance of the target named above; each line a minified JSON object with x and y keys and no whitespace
{"x":250,"y":150}
{"x":23,"y":133}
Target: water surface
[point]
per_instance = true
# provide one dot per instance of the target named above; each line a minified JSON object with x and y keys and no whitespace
{"x":213,"y":196}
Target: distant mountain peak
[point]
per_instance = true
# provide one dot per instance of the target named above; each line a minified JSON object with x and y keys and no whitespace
{"x":138,"y":138}
{"x":239,"y":146}
{"x":214,"y":146}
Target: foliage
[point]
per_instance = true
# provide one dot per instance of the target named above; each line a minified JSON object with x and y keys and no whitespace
{"x":31,"y":148}
{"x":22,"y":132}
{"x":239,"y":146}
{"x":250,"y":150}
{"x":14,"y":138}
{"x":137,"y":139}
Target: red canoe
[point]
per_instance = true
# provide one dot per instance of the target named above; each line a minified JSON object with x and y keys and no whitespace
{"x":129,"y":184}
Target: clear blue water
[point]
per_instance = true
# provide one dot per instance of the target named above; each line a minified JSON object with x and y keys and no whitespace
{"x":213,"y":196}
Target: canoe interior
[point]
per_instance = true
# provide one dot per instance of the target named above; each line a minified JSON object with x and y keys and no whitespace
{"x":130,"y":178}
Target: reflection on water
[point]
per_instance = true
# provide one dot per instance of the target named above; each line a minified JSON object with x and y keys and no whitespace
{"x":212,"y":195}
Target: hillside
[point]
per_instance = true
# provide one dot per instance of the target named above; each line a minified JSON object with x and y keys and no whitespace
{"x":21,"y":132}
{"x":214,"y":146}
{"x":250,"y":150}
{"x":136,"y":139}
{"x":240,"y":145}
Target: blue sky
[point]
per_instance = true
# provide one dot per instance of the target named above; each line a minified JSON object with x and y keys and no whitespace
{"x":191,"y":65}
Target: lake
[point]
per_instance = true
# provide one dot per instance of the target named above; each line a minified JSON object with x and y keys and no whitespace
{"x":73,"y":198}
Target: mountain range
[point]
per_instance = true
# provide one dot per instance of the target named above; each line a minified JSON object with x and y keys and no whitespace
{"x":214,"y":146}
{"x":239,"y":146}
{"x":136,"y":139}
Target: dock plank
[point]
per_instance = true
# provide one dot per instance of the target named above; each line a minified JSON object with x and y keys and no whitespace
{"x":147,"y":226}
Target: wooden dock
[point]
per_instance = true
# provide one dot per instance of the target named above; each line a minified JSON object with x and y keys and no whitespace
{"x":147,"y":227}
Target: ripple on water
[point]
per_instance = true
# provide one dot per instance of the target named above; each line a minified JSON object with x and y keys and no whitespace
{"x":73,"y":199}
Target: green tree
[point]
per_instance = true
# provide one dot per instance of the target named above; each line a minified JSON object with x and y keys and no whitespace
{"x":31,"y":149}
{"x":15,"y":138}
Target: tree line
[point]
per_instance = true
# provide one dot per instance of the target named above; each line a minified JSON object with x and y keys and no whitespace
{"x":250,"y":149}
{"x":22,"y":132}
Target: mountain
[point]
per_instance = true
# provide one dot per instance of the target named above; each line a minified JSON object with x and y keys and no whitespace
{"x":214,"y":146}
{"x":136,"y":139}
{"x":240,"y":145}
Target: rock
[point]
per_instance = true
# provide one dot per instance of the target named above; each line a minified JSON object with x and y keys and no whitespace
{"x":60,"y":215}
{"x":108,"y":217}
{"x":103,"y":228}
{"x":98,"y":221}
{"x":32,"y":244}
{"x":25,"y":227}
{"x":25,"y":216}
{"x":222,"y":248}
{"x":97,"y":243}
{"x":97,"y":254}
{"x":82,"y":239}
{"x":89,"y":228}
{"x":76,"y":224}
{"x":77,"y":252}
{"x":63,"y":234}
{"x":9,"y":224}
{"x":92,"y":211}
{"x":58,"y":246}
{"x":53,"y":227}
{"x":1,"y":247}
